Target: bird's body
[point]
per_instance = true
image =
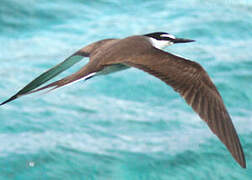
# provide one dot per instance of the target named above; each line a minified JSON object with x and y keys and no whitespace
{"x":144,"y":52}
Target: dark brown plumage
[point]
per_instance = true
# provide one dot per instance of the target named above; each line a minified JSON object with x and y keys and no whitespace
{"x":186,"y":77}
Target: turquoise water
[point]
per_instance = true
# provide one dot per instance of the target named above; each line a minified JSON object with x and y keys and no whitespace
{"x":128,"y":125}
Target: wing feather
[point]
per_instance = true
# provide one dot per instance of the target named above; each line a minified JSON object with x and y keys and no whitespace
{"x":192,"y":82}
{"x":54,"y":71}
{"x":46,"y":76}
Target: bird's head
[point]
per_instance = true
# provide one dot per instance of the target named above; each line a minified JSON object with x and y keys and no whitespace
{"x":162,"y":39}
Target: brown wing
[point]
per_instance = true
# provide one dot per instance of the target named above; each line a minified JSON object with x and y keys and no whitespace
{"x":192,"y":82}
{"x":86,"y":51}
{"x":93,"y":47}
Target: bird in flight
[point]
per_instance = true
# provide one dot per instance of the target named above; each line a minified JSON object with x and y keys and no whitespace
{"x":144,"y":52}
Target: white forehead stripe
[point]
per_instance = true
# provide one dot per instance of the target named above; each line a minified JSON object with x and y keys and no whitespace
{"x":168,"y":35}
{"x":160,"y":44}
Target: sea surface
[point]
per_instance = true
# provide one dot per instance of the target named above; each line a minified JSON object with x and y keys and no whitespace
{"x":128,"y":125}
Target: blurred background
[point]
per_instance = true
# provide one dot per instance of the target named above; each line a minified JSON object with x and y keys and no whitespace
{"x":128,"y":125}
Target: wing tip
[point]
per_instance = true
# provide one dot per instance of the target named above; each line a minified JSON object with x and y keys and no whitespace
{"x":243,"y":165}
{"x":9,"y":100}
{"x":242,"y":161}
{"x":238,"y":153}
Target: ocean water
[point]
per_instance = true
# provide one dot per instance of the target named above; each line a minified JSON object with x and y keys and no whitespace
{"x":128,"y":125}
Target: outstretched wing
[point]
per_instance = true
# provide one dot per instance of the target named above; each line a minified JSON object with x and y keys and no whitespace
{"x":192,"y":82}
{"x":51,"y":73}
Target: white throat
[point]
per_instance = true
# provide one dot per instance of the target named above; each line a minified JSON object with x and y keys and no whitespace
{"x":160,"y":44}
